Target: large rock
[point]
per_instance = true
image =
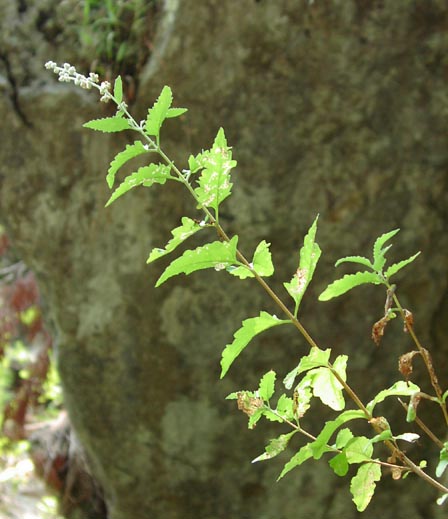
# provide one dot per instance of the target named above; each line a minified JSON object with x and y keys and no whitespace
{"x":332,"y":108}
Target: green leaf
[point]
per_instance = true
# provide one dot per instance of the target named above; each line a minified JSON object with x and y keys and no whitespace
{"x":319,"y":445}
{"x":327,"y":387}
{"x":275,"y":447}
{"x":267,"y":385}
{"x":358,"y":450}
{"x":251,"y":327}
{"x":339,"y":464}
{"x":305,"y":453}
{"x":314,"y":359}
{"x":379,"y":252}
{"x":443,"y":461}
{"x":285,"y":407}
{"x":349,"y":281}
{"x":343,"y":437}
{"x":308,"y":257}
{"x":180,"y":234}
{"x":118,"y":90}
{"x":158,"y":113}
{"x":145,"y":176}
{"x":363,"y":484}
{"x":217,"y":255}
{"x":175,"y":112}
{"x":214,"y":184}
{"x":393,"y":269}
{"x":261,"y":263}
{"x":131,"y":151}
{"x":354,"y":259}
{"x":116,"y":123}
{"x":400,"y":388}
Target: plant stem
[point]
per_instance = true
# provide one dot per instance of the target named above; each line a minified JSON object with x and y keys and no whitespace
{"x":425,"y":356}
{"x":294,"y":320}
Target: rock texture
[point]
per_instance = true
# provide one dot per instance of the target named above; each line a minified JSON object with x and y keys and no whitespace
{"x":337,"y":108}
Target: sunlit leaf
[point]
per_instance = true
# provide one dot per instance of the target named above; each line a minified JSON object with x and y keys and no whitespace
{"x":327,"y":387}
{"x":217,"y":255}
{"x":145,"y":176}
{"x":180,"y":234}
{"x":339,"y":464}
{"x":118,"y":90}
{"x":267,"y":383}
{"x":158,"y":113}
{"x":305,"y":453}
{"x":363,"y":485}
{"x":400,"y":388}
{"x":175,"y":112}
{"x":116,"y":123}
{"x":378,"y":250}
{"x":355,"y":259}
{"x":250,"y":328}
{"x":214,"y":184}
{"x":358,"y":450}
{"x":319,"y":445}
{"x":131,"y":151}
{"x":393,"y":269}
{"x":349,"y":281}
{"x":275,"y":447}
{"x":308,"y":257}
{"x":315,"y":358}
{"x":261,"y":263}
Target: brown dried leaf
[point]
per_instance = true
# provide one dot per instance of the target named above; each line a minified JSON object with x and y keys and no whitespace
{"x":248,"y":404}
{"x":408,"y":320}
{"x":432,"y":373}
{"x":396,"y":472}
{"x":378,"y":329}
{"x":405,"y":364}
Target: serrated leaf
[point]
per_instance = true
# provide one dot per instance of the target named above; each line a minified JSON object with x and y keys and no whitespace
{"x":267,"y":385}
{"x":378,"y":251}
{"x":131,"y":151}
{"x":118,"y":90}
{"x":316,"y":358}
{"x":275,"y":447}
{"x":305,"y":453}
{"x":145,"y":176}
{"x":400,"y":388}
{"x":349,"y":281}
{"x":358,"y":450}
{"x":343,"y":437}
{"x":261,"y":263}
{"x":393,"y":269}
{"x":327,"y":387}
{"x":116,"y":123}
{"x":339,"y":464}
{"x":214,"y":184}
{"x":250,"y":328}
{"x":308,"y":257}
{"x":363,"y":485}
{"x":354,"y":259}
{"x":158,"y":113}
{"x":180,"y":234}
{"x":216,"y":255}
{"x":319,"y":445}
{"x":175,"y":112}
{"x":285,"y":407}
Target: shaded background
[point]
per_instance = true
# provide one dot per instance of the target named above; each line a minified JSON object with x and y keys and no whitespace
{"x":336,"y":108}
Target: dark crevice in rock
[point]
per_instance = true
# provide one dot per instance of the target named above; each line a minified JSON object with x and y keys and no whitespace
{"x":14,"y":95}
